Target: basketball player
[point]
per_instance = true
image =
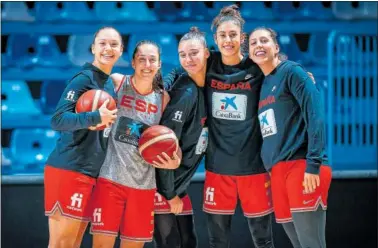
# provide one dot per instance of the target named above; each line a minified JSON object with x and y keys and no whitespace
{"x":234,"y":169}
{"x":75,"y":162}
{"x":185,"y":115}
{"x":292,"y":125}
{"x":124,"y":194}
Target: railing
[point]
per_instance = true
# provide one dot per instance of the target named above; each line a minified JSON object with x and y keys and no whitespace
{"x":352,"y":102}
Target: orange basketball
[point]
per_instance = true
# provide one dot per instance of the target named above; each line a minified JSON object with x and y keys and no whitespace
{"x":92,"y":100}
{"x":155,"y":140}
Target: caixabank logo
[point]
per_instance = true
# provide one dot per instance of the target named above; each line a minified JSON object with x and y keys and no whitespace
{"x":229,"y":106}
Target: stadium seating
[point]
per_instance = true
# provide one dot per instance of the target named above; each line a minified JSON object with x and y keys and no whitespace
{"x":167,"y":42}
{"x":301,"y":10}
{"x":63,"y":11}
{"x":316,"y":10}
{"x":194,"y":11}
{"x":35,"y":145}
{"x":256,"y":11}
{"x":290,"y":48}
{"x":217,"y":6}
{"x":166,"y":11}
{"x":355,"y":10}
{"x":34,"y":50}
{"x":79,"y":51}
{"x":15,"y":11}
{"x":5,"y":157}
{"x":318,"y":48}
{"x":51,"y":92}
{"x":16,"y":99}
{"x":123,"y":11}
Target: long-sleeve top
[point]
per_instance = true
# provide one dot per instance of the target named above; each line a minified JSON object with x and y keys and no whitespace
{"x":78,"y":148}
{"x":291,"y":118}
{"x":186,"y":115}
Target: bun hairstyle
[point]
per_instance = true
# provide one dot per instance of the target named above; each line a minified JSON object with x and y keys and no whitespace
{"x":157,"y":83}
{"x":273,"y":35}
{"x":228,"y":13}
{"x":195,"y":34}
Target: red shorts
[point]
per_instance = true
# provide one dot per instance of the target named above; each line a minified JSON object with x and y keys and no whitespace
{"x":221,"y":193}
{"x":162,"y":206}
{"x":288,"y":191}
{"x":120,"y":208}
{"x":69,"y":192}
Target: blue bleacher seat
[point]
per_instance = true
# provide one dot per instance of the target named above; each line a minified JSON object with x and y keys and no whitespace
{"x":286,"y":10}
{"x":34,"y":50}
{"x":5,"y":157}
{"x":167,"y":42}
{"x":194,"y":11}
{"x":51,"y":92}
{"x":166,"y":11}
{"x":15,"y":11}
{"x":79,"y":51}
{"x":256,"y":11}
{"x":32,"y":146}
{"x":318,"y":48}
{"x":289,"y":46}
{"x":16,"y":99}
{"x":217,"y":6}
{"x":63,"y":11}
{"x":316,"y":10}
{"x":355,"y":10}
{"x":123,"y":11}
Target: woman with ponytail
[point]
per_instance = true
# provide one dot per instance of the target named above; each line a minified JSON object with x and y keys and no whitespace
{"x":124,"y":195}
{"x":185,"y":114}
{"x":234,"y":169}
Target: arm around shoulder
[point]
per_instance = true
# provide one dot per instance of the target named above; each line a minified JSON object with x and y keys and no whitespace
{"x":117,"y":79}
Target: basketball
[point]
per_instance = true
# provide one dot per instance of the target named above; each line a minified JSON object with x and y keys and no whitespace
{"x":92,"y":100}
{"x":155,"y":140}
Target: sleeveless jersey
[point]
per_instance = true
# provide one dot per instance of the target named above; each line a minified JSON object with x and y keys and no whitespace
{"x":136,"y":112}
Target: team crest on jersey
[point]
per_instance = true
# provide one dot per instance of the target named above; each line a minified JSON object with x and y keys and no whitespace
{"x":267,"y":123}
{"x":202,"y":141}
{"x":229,"y":106}
{"x":129,"y":131}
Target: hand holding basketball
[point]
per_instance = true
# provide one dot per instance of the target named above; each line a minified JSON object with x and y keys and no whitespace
{"x":166,"y":162}
{"x":94,"y":100}
{"x":107,"y":116}
{"x":158,"y":146}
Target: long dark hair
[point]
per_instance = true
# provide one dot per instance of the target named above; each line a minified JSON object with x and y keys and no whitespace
{"x":273,"y":35}
{"x":157,"y":83}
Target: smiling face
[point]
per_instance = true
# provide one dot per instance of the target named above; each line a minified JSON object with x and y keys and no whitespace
{"x":107,"y":48}
{"x":229,"y":38}
{"x":146,"y":61}
{"x":193,"y":56}
{"x":262,"y":47}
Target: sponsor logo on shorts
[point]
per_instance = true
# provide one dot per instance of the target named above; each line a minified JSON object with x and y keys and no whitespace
{"x":76,"y":201}
{"x":209,"y":196}
{"x":307,"y":202}
{"x":97,"y":218}
{"x":229,"y":106}
{"x":158,"y":200}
